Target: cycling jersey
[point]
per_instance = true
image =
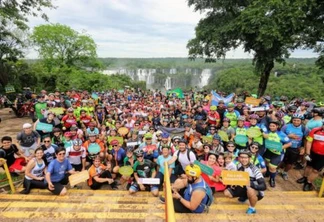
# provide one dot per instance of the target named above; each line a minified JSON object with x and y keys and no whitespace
{"x":316,"y":136}
{"x":291,"y":129}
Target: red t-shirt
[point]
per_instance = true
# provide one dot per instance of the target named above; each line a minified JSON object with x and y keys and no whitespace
{"x":219,"y":186}
{"x":317,"y":137}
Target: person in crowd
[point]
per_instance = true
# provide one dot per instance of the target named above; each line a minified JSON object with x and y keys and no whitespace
{"x":99,"y":175}
{"x":57,"y":173}
{"x":274,"y":154}
{"x":214,"y":180}
{"x":191,"y":194}
{"x":143,"y":168}
{"x":46,"y":120}
{"x":252,"y":192}
{"x":49,"y":150}
{"x":16,"y":161}
{"x":76,"y":155}
{"x":35,"y":173}
{"x":29,"y":140}
{"x":182,"y":158}
{"x":116,"y":157}
{"x":314,"y":157}
{"x":296,"y":133}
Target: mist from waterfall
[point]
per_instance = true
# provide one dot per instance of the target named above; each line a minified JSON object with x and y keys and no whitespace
{"x":204,"y":77}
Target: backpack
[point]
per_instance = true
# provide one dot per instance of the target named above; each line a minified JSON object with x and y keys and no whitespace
{"x":209,"y":193}
{"x":178,"y":168}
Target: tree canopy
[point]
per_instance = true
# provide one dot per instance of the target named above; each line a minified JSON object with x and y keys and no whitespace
{"x":270,"y":29}
{"x":13,"y":25}
{"x":59,"y":44}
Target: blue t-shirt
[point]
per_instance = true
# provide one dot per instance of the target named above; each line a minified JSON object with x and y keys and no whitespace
{"x":160,"y":162}
{"x":121,"y":154}
{"x":311,"y":124}
{"x":58,"y":169}
{"x":291,"y":129}
{"x":95,"y":131}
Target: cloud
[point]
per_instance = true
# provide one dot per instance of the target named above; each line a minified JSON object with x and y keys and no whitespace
{"x":131,"y":28}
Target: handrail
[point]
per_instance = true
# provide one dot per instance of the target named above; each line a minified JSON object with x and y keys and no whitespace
{"x":12,"y":187}
{"x":169,"y":208}
{"x":320,"y":193}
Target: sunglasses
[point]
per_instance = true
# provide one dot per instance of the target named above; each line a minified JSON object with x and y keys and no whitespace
{"x":254,"y":147}
{"x":114,"y":145}
{"x":47,"y":141}
{"x":139,"y":156}
{"x":206,"y":147}
{"x":230,"y":146}
{"x":60,"y":154}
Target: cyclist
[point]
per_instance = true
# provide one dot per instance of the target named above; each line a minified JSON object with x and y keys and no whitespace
{"x":274,"y":156}
{"x":254,"y":191}
{"x":296,"y":132}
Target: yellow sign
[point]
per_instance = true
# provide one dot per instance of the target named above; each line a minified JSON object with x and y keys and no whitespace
{"x":252,"y":101}
{"x":57,"y":110}
{"x":78,"y":178}
{"x":239,"y":178}
{"x":119,"y":138}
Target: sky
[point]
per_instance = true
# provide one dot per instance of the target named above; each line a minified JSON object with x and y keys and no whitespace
{"x":134,"y":28}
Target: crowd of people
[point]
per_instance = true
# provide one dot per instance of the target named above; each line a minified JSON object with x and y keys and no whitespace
{"x":103,"y":132}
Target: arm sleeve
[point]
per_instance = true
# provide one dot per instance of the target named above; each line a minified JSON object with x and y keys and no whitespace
{"x":261,"y":186}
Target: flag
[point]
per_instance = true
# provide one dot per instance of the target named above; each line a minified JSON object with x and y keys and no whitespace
{"x":216,"y":98}
{"x":178,"y":92}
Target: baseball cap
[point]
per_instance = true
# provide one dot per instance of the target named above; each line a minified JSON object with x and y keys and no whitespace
{"x":114,"y":142}
{"x":27,"y":125}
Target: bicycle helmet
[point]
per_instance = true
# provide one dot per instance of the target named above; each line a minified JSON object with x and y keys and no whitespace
{"x":139,"y":153}
{"x":283,"y":98}
{"x":241,"y":118}
{"x":226,"y":120}
{"x":244,"y":151}
{"x":292,"y":108}
{"x":193,"y":170}
{"x":280,"y":114}
{"x":274,"y":122}
{"x":254,"y":116}
{"x":77,"y":142}
{"x":182,"y":141}
{"x":217,"y":137}
{"x":297,"y":116}
{"x":240,"y":100}
{"x":176,"y":138}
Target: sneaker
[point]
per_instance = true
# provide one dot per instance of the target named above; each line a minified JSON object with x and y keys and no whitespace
{"x":24,"y":191}
{"x":272,"y":182}
{"x":308,"y":186}
{"x":242,"y":199}
{"x":250,"y":211}
{"x":299,"y":166}
{"x":302,"y":180}
{"x":162,"y":199}
{"x":284,"y":175}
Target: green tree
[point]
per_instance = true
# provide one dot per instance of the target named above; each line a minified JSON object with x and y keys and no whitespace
{"x":270,"y":29}
{"x":60,"y":45}
{"x":13,"y":24}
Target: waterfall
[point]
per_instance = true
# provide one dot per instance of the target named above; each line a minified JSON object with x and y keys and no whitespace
{"x":167,"y":83}
{"x":150,"y":77}
{"x":204,"y":77}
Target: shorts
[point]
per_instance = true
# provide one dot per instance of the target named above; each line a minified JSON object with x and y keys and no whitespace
{"x":317,"y":162}
{"x":77,"y":167}
{"x":291,"y":155}
{"x":28,"y":151}
{"x":239,"y":191}
{"x":272,"y":158}
{"x":136,"y":187}
{"x":59,"y":186}
{"x":17,"y":165}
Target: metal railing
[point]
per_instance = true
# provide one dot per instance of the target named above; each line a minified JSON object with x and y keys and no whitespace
{"x":169,"y":208}
{"x":9,"y":179}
